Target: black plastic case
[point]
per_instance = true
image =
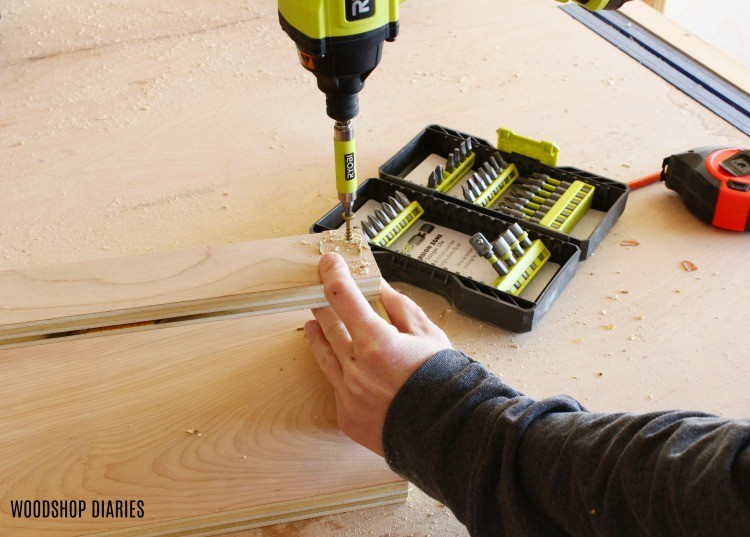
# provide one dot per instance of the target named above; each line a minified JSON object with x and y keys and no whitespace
{"x":609,"y":195}
{"x":467,"y":295}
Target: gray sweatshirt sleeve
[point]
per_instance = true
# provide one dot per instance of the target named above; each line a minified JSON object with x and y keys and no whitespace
{"x":508,"y":465}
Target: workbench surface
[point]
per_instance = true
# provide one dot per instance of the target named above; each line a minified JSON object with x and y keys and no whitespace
{"x":129,"y":127}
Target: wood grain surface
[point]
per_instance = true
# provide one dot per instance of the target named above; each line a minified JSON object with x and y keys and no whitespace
{"x":129,"y":129}
{"x":210,"y":426}
{"x":181,"y":287}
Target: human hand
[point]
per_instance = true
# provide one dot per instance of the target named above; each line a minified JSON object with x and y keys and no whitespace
{"x":366,"y":359}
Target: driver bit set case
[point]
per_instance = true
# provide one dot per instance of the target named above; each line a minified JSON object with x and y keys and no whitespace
{"x":498,"y":231}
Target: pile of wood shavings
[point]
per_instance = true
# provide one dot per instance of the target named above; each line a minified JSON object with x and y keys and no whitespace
{"x":351,"y":251}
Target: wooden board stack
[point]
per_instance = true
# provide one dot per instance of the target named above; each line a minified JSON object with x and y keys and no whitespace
{"x":195,"y":428}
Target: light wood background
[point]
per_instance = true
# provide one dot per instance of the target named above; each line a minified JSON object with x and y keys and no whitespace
{"x":130,"y":128}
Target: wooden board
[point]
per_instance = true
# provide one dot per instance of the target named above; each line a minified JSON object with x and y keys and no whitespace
{"x":172,"y":288}
{"x":128,"y":130}
{"x":216,"y":426}
{"x":219,"y":428}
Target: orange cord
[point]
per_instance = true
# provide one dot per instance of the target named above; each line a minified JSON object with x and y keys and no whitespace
{"x":643,"y":181}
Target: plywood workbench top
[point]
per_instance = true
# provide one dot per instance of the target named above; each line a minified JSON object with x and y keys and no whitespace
{"x":128,"y":128}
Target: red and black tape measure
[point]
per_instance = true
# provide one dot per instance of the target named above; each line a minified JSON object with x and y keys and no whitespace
{"x":714,"y":183}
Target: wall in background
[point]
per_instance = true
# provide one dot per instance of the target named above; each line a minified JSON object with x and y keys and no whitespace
{"x":723,"y":23}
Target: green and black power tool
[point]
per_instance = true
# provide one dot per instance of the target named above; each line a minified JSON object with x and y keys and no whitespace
{"x":341,"y":42}
{"x":597,"y":5}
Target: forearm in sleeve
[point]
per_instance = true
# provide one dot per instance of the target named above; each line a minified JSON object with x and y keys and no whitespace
{"x":508,"y":465}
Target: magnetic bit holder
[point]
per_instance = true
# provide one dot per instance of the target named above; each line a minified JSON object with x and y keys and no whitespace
{"x":519,"y":274}
{"x":398,"y":225}
{"x":451,"y":178}
{"x":492,"y":193}
{"x":570,"y":208}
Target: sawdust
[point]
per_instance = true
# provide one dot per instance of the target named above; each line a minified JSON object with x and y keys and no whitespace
{"x":689,"y":266}
{"x":351,"y":251}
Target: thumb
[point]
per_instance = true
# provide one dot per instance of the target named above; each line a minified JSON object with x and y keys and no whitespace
{"x":404,"y":314}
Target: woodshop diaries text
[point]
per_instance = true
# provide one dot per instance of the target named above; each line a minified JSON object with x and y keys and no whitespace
{"x":76,"y":508}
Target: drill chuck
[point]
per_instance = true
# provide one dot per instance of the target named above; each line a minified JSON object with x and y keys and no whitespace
{"x":342,"y":107}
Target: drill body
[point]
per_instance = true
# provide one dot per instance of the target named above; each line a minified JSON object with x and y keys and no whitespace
{"x":341,"y":43}
{"x":597,"y":5}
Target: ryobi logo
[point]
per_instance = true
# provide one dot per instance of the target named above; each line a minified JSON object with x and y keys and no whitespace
{"x":359,"y":9}
{"x":349,"y":167}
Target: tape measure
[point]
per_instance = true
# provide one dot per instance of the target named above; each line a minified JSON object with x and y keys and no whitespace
{"x":714,"y":184}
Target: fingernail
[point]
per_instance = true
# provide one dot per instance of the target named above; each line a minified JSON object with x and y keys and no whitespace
{"x":328,"y":261}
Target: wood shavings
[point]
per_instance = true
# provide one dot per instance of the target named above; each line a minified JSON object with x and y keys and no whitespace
{"x":609,"y":326}
{"x":360,"y":267}
{"x":335,"y":241}
{"x":629,"y":242}
{"x":689,"y":266}
{"x":194,"y":432}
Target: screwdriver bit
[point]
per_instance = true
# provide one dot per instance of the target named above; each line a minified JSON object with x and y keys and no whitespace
{"x":515,"y":192}
{"x":432,"y":180}
{"x":377,"y":224}
{"x":517,"y":214}
{"x":474,"y":187}
{"x":403,"y":200}
{"x":520,"y":208}
{"x":499,"y":160}
{"x":534,"y":190}
{"x":484,"y":248}
{"x":440,"y":175}
{"x":523,"y":202}
{"x":502,"y":250}
{"x":479,"y":180}
{"x":544,"y":186}
{"x":521,"y":235}
{"x":395,"y":204}
{"x":515,"y":247}
{"x":462,"y":151}
{"x":368,"y":229}
{"x":489,"y":170}
{"x":382,"y":217}
{"x":390,"y":211}
{"x":449,"y":164}
{"x":547,"y":179}
{"x":469,"y":145}
{"x":468,"y":194}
